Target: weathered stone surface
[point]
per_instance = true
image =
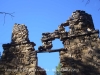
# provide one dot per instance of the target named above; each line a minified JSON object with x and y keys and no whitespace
{"x":19,"y":57}
{"x":82,"y":44}
{"x":80,"y":56}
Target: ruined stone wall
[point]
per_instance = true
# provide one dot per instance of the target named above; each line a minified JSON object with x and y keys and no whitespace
{"x":81,"y":53}
{"x":19,"y":57}
{"x":82,"y":56}
{"x":83,"y":47}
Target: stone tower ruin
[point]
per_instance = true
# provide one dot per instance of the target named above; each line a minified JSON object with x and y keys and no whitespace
{"x":80,"y":55}
{"x":19,"y":57}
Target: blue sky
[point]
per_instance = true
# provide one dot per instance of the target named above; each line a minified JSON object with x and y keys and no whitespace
{"x":42,"y":16}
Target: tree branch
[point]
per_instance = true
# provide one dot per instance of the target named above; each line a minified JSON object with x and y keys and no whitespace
{"x":88,"y":1}
{"x":11,"y":14}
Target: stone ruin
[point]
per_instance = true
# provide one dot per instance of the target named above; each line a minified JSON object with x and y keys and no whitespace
{"x":19,"y":57}
{"x":80,"y":55}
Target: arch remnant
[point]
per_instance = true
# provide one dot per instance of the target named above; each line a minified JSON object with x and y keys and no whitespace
{"x":80,"y":55}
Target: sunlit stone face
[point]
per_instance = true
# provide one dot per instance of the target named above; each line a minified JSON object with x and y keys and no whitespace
{"x":20,"y":33}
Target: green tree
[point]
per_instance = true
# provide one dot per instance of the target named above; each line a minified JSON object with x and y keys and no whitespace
{"x":58,"y":70}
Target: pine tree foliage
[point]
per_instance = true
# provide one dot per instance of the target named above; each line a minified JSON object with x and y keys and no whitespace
{"x":58,"y":70}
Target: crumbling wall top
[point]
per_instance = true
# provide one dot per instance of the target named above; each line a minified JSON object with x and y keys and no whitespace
{"x":80,"y":23}
{"x":80,"y":20}
{"x":20,"y":34}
